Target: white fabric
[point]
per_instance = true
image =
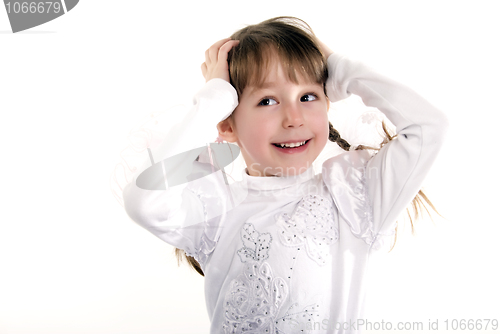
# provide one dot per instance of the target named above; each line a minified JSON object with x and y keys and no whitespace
{"x":292,"y":254}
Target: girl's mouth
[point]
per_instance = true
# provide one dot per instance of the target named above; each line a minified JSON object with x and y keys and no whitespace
{"x":292,"y":147}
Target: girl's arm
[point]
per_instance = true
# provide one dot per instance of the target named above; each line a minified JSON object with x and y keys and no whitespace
{"x":392,"y":177}
{"x":185,"y":215}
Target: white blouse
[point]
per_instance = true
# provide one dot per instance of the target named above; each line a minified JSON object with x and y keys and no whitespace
{"x":290,"y":254}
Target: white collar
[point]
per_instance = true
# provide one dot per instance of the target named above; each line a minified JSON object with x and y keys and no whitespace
{"x":276,"y":182}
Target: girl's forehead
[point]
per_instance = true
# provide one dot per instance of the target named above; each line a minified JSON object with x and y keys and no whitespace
{"x":274,"y":74}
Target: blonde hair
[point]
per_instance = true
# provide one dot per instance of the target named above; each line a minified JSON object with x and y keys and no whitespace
{"x":296,"y":47}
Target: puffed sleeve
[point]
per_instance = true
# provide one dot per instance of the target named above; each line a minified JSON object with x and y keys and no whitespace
{"x":372,"y":191}
{"x":188,"y":215}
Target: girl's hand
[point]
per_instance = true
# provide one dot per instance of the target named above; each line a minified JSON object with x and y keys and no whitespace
{"x":215,"y":65}
{"x":325,"y":49}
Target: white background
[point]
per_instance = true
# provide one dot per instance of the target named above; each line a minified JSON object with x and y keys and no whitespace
{"x":71,"y":261}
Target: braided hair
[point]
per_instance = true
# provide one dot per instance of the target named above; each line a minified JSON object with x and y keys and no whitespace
{"x":334,"y":136}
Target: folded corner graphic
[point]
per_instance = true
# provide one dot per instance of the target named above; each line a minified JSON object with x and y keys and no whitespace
{"x":188,"y":166}
{"x":193,"y":165}
{"x":28,"y":14}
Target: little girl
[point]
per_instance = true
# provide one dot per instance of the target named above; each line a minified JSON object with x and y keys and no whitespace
{"x":285,"y":250}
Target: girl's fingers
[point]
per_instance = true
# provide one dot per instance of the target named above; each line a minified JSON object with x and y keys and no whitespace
{"x":213,"y":51}
{"x":215,"y":65}
{"x":207,"y":57}
{"x":225,"y":48}
{"x":204,"y":69}
{"x":325,"y":49}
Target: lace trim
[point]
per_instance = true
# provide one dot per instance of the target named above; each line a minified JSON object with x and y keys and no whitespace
{"x":377,"y":241}
{"x":207,"y":244}
{"x":361,"y":190}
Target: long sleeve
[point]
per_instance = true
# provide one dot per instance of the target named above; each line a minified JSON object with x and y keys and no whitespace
{"x":389,"y":180}
{"x":185,"y":215}
{"x":213,"y":103}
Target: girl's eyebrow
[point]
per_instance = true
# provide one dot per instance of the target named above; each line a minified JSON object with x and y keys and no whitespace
{"x":265,"y":85}
{"x":269,"y":84}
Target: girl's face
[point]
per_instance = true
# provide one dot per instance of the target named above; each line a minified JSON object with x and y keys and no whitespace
{"x":276,"y":115}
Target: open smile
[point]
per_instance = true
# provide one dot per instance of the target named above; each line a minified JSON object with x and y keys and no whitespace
{"x":292,"y":147}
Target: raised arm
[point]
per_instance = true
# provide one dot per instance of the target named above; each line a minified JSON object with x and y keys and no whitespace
{"x":180,"y":214}
{"x":395,"y":174}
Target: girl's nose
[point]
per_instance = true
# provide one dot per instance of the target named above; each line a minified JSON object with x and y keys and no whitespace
{"x":293,"y":117}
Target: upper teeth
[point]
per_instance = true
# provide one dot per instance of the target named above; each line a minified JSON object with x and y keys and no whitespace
{"x":293,"y":144}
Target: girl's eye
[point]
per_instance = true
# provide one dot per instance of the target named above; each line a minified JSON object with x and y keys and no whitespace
{"x":268,"y":102}
{"x":308,"y":98}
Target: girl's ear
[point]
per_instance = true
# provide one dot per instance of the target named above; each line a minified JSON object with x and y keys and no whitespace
{"x":226,"y":130}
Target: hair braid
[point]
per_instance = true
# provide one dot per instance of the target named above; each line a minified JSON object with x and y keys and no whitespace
{"x":334,"y":136}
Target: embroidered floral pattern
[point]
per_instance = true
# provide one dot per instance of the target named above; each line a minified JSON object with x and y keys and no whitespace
{"x":298,"y":321}
{"x":256,"y":245}
{"x":254,"y":300}
{"x":311,"y":225}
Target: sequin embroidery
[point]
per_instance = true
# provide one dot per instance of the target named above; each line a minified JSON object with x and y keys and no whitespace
{"x":254,"y":300}
{"x":311,"y":225}
{"x":256,"y":245}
